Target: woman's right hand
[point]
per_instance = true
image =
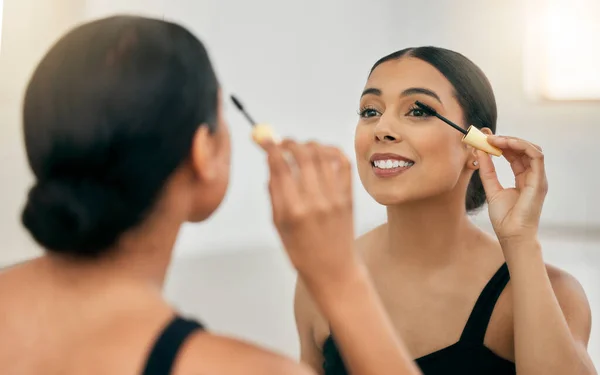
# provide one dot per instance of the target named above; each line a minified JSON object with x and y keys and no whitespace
{"x":311,"y":195}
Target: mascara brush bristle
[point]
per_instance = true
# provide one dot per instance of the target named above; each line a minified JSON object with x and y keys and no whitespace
{"x":426,"y":108}
{"x":239,"y":106}
{"x":432,"y":112}
{"x":237,"y":103}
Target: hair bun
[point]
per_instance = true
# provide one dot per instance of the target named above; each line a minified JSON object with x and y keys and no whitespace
{"x":72,"y":216}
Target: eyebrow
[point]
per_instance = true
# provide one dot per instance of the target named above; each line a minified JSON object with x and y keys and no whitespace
{"x":407,"y":92}
{"x":371,"y":91}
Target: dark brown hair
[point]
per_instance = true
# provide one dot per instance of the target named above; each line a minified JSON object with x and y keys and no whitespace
{"x":109,"y":114}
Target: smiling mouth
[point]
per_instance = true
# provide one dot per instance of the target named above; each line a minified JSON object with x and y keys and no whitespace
{"x":390,"y":167}
{"x":391,"y":164}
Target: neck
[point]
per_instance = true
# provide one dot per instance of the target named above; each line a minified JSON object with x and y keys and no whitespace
{"x":145,"y":254}
{"x":140,"y":257}
{"x":429,"y":233}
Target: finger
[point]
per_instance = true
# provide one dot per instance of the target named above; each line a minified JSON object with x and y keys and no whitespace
{"x":516,"y":161}
{"x":488,"y":175}
{"x":336,"y":176}
{"x":343,"y":176}
{"x":288,"y":157}
{"x":510,"y":137}
{"x":266,"y":143}
{"x":277,"y":200}
{"x":515,"y":144}
{"x":307,"y":161}
{"x":276,"y":159}
{"x":269,"y":144}
{"x":283,"y":188}
{"x":531,"y":155}
{"x":534,"y":156}
{"x":328,"y":167}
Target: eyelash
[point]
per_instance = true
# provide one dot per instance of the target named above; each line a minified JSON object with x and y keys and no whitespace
{"x":415,"y":108}
{"x":362,"y":111}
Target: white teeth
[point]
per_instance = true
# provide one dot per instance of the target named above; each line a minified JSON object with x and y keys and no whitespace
{"x":388,"y":164}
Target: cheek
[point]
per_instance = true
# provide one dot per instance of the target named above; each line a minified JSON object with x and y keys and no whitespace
{"x":432,"y":145}
{"x":363,"y":139}
{"x":224,"y":161}
{"x":442,"y":155}
{"x":225,"y":143}
{"x":222,"y":155}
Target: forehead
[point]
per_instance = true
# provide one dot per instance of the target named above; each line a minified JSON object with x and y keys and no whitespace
{"x":394,"y":76}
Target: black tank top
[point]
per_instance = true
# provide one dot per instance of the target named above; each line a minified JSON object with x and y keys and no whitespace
{"x":164,"y":352}
{"x":466,"y":357}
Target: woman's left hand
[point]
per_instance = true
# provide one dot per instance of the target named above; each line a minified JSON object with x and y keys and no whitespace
{"x":515,"y":212}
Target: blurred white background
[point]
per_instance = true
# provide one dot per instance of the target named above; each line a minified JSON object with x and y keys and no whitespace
{"x":300,"y":65}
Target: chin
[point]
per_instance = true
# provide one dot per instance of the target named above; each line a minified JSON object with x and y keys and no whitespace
{"x":198,"y":217}
{"x":206,"y":209}
{"x":387,"y":196}
{"x":209,"y":201}
{"x":390,"y":198}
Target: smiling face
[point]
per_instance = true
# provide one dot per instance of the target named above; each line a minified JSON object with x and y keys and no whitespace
{"x":402,"y":153}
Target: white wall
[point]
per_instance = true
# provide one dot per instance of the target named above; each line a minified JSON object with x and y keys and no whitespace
{"x":28,"y":29}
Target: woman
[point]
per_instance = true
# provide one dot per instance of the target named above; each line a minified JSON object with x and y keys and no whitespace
{"x":442,"y":280}
{"x":125,"y":135}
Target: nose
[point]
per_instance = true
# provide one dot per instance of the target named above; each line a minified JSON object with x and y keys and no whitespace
{"x":385,"y":132}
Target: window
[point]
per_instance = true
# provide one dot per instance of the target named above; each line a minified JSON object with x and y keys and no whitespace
{"x":562,"y":53}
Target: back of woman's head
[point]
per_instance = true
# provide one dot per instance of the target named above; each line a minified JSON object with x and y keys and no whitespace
{"x":473,"y":92}
{"x":109,"y":114}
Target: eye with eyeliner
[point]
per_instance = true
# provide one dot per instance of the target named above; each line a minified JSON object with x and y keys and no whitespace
{"x":368,"y":111}
{"x":415,"y":111}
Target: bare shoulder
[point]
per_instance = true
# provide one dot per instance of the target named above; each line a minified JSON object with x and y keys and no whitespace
{"x":573,"y":301}
{"x":566,"y":286}
{"x":371,"y":234}
{"x":208,"y":353}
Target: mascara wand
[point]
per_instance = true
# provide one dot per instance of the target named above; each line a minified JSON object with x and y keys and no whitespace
{"x":472,"y":136}
{"x":260,"y":132}
{"x":239,"y":106}
{"x":433,"y":112}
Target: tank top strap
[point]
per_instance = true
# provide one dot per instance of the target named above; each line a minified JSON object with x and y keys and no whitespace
{"x":484,"y":307}
{"x":166,"y":347}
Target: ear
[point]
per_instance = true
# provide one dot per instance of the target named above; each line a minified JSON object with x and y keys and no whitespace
{"x":201,"y":154}
{"x":486,"y":131}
